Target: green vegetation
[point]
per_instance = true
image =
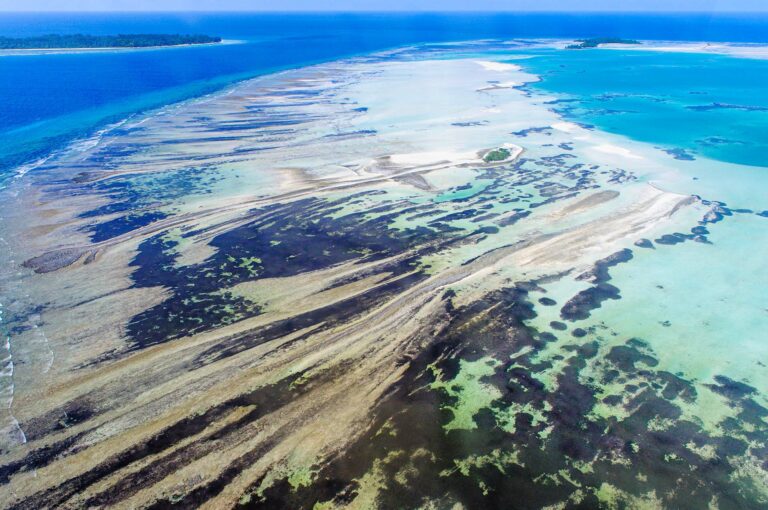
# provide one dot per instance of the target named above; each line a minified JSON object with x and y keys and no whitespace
{"x":468,"y":392}
{"x":499,"y":154}
{"x":55,"y":41}
{"x":597,"y":41}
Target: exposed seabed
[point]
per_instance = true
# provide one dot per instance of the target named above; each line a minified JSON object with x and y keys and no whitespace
{"x":316,"y":290}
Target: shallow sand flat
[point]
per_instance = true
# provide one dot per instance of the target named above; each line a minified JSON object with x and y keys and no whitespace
{"x":740,"y":50}
{"x":312,"y":290}
{"x":759,"y":51}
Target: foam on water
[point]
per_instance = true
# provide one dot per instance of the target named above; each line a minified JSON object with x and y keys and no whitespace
{"x":11,"y":433}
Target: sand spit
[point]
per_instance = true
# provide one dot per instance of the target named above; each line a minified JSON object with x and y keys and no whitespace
{"x":617,"y":150}
{"x":498,"y":66}
{"x":758,"y":51}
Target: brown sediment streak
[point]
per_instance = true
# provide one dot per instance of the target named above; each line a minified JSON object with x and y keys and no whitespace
{"x":383,"y":322}
{"x":377,"y":325}
{"x":190,"y":426}
{"x":61,"y":258}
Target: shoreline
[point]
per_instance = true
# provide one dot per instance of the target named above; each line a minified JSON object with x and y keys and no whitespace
{"x":117,"y":49}
{"x":758,"y":51}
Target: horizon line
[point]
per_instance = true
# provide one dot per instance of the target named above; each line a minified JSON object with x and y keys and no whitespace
{"x":388,"y":11}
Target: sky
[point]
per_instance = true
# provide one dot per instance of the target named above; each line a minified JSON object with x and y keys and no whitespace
{"x":386,"y":5}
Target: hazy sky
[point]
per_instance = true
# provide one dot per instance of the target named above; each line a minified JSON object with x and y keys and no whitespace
{"x":384,"y":5}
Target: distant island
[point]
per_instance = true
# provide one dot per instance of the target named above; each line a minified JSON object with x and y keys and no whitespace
{"x":597,"y":41}
{"x":76,"y":41}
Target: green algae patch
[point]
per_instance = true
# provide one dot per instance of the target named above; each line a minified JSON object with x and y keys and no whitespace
{"x":249,"y":264}
{"x":174,"y":236}
{"x":706,"y":452}
{"x":613,"y":498}
{"x":176,"y":244}
{"x":499,"y":459}
{"x":388,"y":429}
{"x":373,"y":482}
{"x":469,"y":392}
{"x":298,"y":473}
{"x":301,"y":477}
{"x":506,"y":417}
{"x":301,"y":380}
{"x":750,"y":475}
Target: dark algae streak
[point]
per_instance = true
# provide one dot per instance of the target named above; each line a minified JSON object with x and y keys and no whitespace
{"x":556,"y":442}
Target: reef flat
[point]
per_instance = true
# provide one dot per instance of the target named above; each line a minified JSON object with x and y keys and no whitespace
{"x":386,"y":282}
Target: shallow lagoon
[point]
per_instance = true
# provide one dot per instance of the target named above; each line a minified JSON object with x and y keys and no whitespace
{"x":713,"y":294}
{"x":712,"y":105}
{"x":343,"y":305}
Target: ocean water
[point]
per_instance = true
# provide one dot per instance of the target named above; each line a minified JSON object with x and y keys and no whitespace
{"x":709,"y":105}
{"x":48,"y":100}
{"x":691,"y":314}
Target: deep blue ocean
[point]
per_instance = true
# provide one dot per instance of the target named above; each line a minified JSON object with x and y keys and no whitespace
{"x":48,"y":100}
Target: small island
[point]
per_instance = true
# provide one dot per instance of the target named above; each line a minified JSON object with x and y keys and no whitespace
{"x":81,"y":41}
{"x":495,"y":155}
{"x":506,"y":153}
{"x":597,"y":41}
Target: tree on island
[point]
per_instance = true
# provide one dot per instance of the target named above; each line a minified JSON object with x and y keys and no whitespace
{"x":499,"y":154}
{"x":597,"y":41}
{"x":57,"y":41}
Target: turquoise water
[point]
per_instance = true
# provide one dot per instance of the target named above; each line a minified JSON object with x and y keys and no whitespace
{"x":463,"y":192}
{"x":701,"y":307}
{"x":710,"y":105}
{"x":698,"y":307}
